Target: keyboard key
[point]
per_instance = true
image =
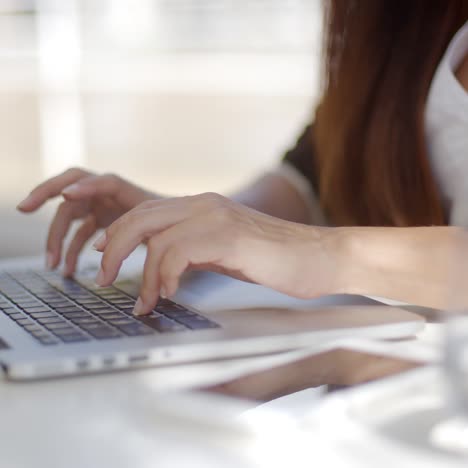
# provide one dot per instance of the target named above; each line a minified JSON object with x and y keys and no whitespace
{"x":107,"y":316}
{"x":175,"y":314}
{"x":76,"y":315}
{"x":99,"y":305}
{"x":70,"y":308}
{"x":82,"y":321}
{"x":57,"y":325}
{"x":28,"y":303}
{"x":161,"y":323}
{"x":48,"y":320}
{"x":104,"y":332}
{"x":19,"y":297}
{"x":135,"y":329}
{"x":70,"y":330}
{"x":80,"y":296}
{"x":41,"y":334}
{"x":197,"y":322}
{"x":59,"y":303}
{"x":123,"y":301}
{"x":124,"y":307}
{"x":25,"y":321}
{"x":121,"y":321}
{"x":164,"y":302}
{"x":85,"y":302}
{"x":74,"y":338}
{"x":29,"y":310}
{"x":41,"y":315}
{"x":33,"y":327}
{"x":52,"y":295}
{"x":102,"y":311}
{"x":17,"y":316}
{"x":10,"y":310}
{"x":48,"y":340}
{"x":102,"y":291}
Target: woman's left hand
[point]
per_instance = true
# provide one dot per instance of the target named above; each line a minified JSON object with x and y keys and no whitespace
{"x":211,"y":232}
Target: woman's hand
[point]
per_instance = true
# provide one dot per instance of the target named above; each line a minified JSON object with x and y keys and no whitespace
{"x":96,"y":199}
{"x":213,"y":233}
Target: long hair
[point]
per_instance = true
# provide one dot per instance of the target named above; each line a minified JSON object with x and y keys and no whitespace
{"x":371,"y":158}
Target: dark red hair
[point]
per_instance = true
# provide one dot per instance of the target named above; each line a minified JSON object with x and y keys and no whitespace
{"x":371,"y":156}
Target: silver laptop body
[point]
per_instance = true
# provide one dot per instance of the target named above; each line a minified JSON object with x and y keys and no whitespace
{"x":51,"y":326}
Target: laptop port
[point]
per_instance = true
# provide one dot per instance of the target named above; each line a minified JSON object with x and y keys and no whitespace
{"x":83,"y":364}
{"x":137,"y":358}
{"x":108,"y":361}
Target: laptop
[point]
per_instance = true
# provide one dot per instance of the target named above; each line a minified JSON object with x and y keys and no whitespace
{"x":51,"y":326}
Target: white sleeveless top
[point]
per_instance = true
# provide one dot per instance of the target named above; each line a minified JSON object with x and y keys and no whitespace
{"x":447,"y":131}
{"x":446,"y":125}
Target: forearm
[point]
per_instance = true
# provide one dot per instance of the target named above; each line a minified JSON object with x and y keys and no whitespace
{"x":423,"y":266}
{"x":274,"y":195}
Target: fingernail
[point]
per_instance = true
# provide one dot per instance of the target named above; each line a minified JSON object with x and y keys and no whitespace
{"x":50,"y":260}
{"x":100,"y":242}
{"x":100,"y":277}
{"x":139,"y":309}
{"x":22,"y":204}
{"x":71,"y":189}
{"x":162,"y":292}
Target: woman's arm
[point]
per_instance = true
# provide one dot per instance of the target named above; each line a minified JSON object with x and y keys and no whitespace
{"x":211,"y":232}
{"x":423,"y":265}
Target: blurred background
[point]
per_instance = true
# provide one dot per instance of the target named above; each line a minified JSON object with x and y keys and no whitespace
{"x":181,"y":96}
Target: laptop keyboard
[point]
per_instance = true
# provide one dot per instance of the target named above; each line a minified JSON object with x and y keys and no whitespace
{"x":57,"y":310}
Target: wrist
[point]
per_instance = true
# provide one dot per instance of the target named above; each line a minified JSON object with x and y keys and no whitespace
{"x":328,"y":261}
{"x":358,"y":252}
{"x":341,"y":244}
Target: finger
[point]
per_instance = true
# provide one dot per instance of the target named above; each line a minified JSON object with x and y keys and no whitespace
{"x":166,"y":213}
{"x":123,"y":192}
{"x":156,"y":248}
{"x":65,"y":214}
{"x":149,"y":218}
{"x":129,"y":231}
{"x":82,"y":235}
{"x":201,"y":250}
{"x":175,"y":261}
{"x":149,"y":291}
{"x":91,"y":186}
{"x":50,"y":189}
{"x":118,"y":248}
{"x":172,"y":211}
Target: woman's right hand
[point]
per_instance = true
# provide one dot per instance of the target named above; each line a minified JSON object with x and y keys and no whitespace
{"x":98,"y":200}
